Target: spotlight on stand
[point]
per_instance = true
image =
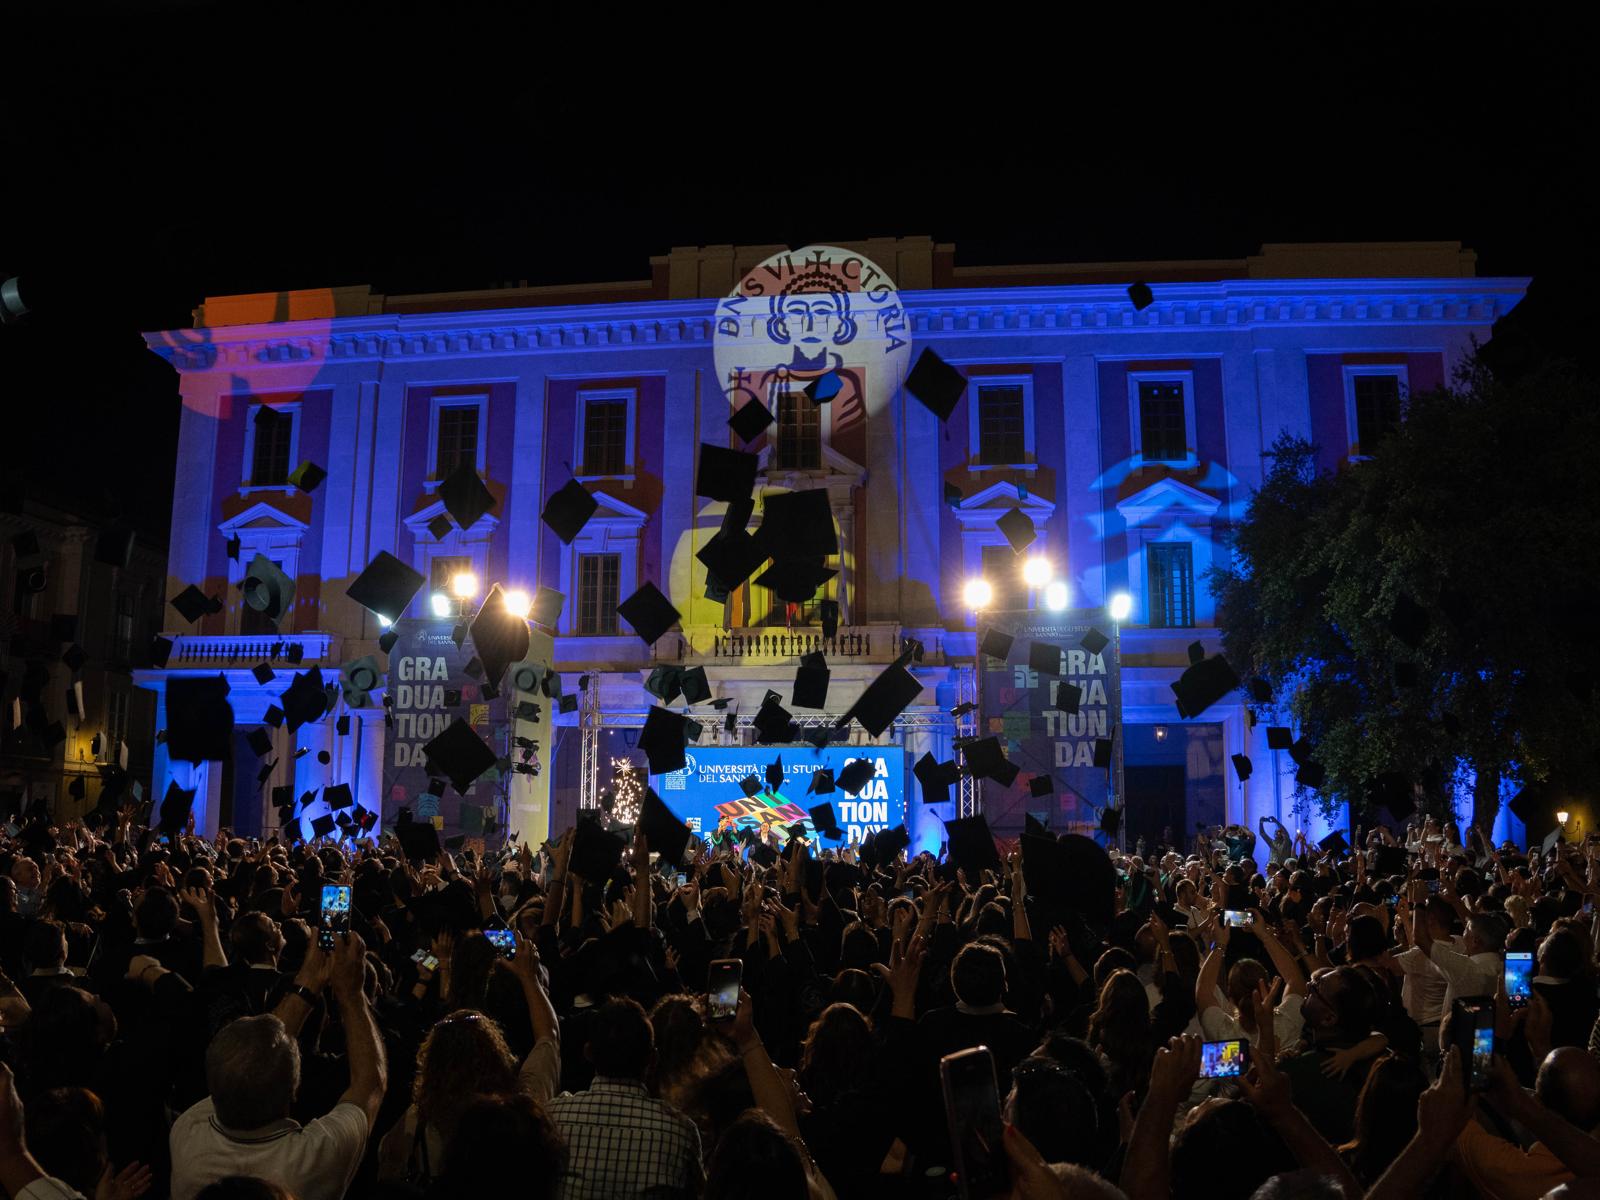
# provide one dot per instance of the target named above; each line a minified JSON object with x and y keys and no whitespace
{"x":464,"y":585}
{"x":1055,"y":596}
{"x":517,"y":603}
{"x":1036,"y":572}
{"x":1121,"y":606}
{"x":977,"y":594}
{"x":442,"y":605}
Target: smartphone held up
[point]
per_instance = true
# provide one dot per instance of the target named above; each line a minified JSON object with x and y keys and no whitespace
{"x":334,"y":915}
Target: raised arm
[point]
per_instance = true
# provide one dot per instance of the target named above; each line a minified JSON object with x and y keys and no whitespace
{"x":1205,"y":988}
{"x":205,"y":907}
{"x":1294,"y":979}
{"x":541,"y":1070}
{"x":1442,"y":1112}
{"x":1020,"y":930}
{"x":1146,"y":1169}
{"x":363,"y":1045}
{"x":644,"y":901}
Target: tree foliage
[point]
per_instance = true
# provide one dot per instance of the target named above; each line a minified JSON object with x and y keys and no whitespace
{"x":1484,"y":510}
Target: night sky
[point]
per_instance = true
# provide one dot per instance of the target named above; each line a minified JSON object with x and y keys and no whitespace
{"x":179,"y":156}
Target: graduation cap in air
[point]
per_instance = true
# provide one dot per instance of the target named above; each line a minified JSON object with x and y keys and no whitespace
{"x":76,"y":789}
{"x":855,"y":775}
{"x":460,"y":754}
{"x":1044,"y":657}
{"x":1279,"y":737}
{"x":824,"y":820}
{"x":338,"y":796}
{"x":798,"y":525}
{"x":357,"y":678}
{"x":774,"y":773}
{"x":665,"y":683}
{"x":824,"y":387}
{"x":796,"y":579}
{"x":263,"y":673}
{"x":1203,"y":684}
{"x":595,"y":851}
{"x":386,"y":586}
{"x":569,"y":510}
{"x":192,"y":604}
{"x":936,"y":384}
{"x":74,"y":658}
{"x":499,"y":636}
{"x":662,"y":740}
{"x":1140,"y":295}
{"x":264,"y":772}
{"x":283,"y":801}
{"x":725,"y":474}
{"x":732,"y":556}
{"x":667,"y":835}
{"x":1094,"y":641}
{"x":1103,"y":748}
{"x":821,"y":782}
{"x":160,"y":651}
{"x":996,"y":643}
{"x":547,"y":605}
{"x":199,"y":719}
{"x":750,"y":420}
{"x":696,"y":687}
{"x":260,"y":742}
{"x":983,"y":757}
{"x":1068,"y":696}
{"x":1110,"y":820}
{"x":935,"y":778}
{"x":324,"y":757}
{"x":471,"y":817}
{"x":1260,"y":691}
{"x":972,"y":846}
{"x":772,"y":722}
{"x":307,"y":476}
{"x":1311,"y":774}
{"x":1302,"y":750}
{"x":466,"y":497}
{"x":1392,"y":790}
{"x":1041,"y":785}
{"x":1072,"y":872}
{"x":648,"y":612}
{"x":567,"y":704}
{"x":811,"y":687}
{"x":750,"y":785}
{"x":440,"y":526}
{"x":884,"y":699}
{"x":305,"y":699}
{"x":1241,"y":766}
{"x":175,"y":805}
{"x":1017,"y":528}
{"x":419,"y":841}
{"x":114,"y":544}
{"x":1389,"y":860}
{"x":891,"y":842}
{"x":1334,"y":843}
{"x":1034,"y":826}
{"x":1408,"y":621}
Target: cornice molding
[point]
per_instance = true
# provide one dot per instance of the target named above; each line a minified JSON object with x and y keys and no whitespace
{"x":952,"y":312}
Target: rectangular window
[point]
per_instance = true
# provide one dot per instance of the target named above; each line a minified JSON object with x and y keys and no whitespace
{"x":605,"y":436}
{"x":458,"y":439}
{"x":598,"y":580}
{"x":1377,"y":409}
{"x":1001,"y":429}
{"x":799,"y":432}
{"x":1170,"y":567}
{"x":274,"y":433}
{"x":122,"y":635}
{"x":1002,"y":567}
{"x":1162,"y":437}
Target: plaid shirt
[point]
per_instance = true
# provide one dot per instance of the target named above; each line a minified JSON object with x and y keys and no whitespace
{"x":621,"y":1141}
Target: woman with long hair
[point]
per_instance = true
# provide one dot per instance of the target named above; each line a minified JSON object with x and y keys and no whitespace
{"x":1119,"y":1029}
{"x":1386,"y":1117}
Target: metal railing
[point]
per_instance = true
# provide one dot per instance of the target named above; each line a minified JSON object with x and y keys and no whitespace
{"x":246,"y":649}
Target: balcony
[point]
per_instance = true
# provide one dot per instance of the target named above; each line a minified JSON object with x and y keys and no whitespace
{"x":246,"y":649}
{"x":708,"y":645}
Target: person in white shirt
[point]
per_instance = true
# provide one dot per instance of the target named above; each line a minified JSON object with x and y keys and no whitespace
{"x":1233,"y":1017}
{"x":253,"y":1073}
{"x":1472,"y":970}
{"x":1422,"y":991}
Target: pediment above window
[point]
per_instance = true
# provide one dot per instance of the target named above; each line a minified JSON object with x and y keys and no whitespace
{"x":1167,"y":496}
{"x":418,"y":521}
{"x":982,"y":509}
{"x":261,"y":518}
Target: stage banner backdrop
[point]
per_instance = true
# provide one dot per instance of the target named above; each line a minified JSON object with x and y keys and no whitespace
{"x":1019,"y":705}
{"x":706,"y":792}
{"x":424,"y":664}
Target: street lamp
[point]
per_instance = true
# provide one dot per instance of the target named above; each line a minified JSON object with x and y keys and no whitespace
{"x":1562,"y":817}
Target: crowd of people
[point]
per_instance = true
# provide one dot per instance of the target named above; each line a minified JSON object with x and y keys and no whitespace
{"x":1241,"y":1018}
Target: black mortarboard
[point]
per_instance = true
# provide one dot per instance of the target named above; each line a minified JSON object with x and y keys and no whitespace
{"x":883,"y":700}
{"x":725,"y":474}
{"x":338,"y":795}
{"x":857,"y":773}
{"x":322,"y":826}
{"x":1017,"y":528}
{"x":796,"y":579}
{"x":750,"y":420}
{"x":265,"y":771}
{"x":732,"y":557}
{"x":366,"y":820}
{"x":176,"y":804}
{"x":1094,"y":641}
{"x":825,"y":821}
{"x":266,"y":589}
{"x":1203,"y":684}
{"x":934,"y":777}
{"x":419,"y":840}
{"x":76,"y":789}
{"x":1102,"y":750}
{"x":648,"y":612}
{"x":114,"y":545}
{"x":982,"y":757}
{"x":283,"y":797}
{"x":342,"y":818}
{"x":273,"y":716}
{"x":1140,"y":295}
{"x":1006,"y":773}
{"x":567,"y":703}
{"x":662,"y":740}
{"x":160,"y":651}
{"x":263,"y":673}
{"x":824,"y":387}
{"x":260,"y":742}
{"x":1041,"y":785}
{"x":547,"y":604}
{"x":1334,"y":843}
{"x":439,"y":527}
{"x":1408,"y":620}
{"x":797,"y":525}
{"x":890,"y":842}
{"x":74,"y":657}
{"x":1311,"y":774}
{"x":307,"y":476}
{"x":595,"y":851}
{"x":996,"y":643}
{"x":1241,"y":766}
{"x":191,"y":604}
{"x":696,"y":687}
{"x":821,"y":782}
{"x":304,"y":700}
{"x":499,"y":636}
{"x":750,"y":785}
{"x":936,"y":384}
{"x":460,"y":754}
{"x":386,"y":586}
{"x":665,"y":683}
{"x":1033,"y":826}
{"x":1197,"y":652}
{"x":972,"y":846}
{"x":772,"y":722}
{"x":1068,"y":696}
{"x":324,"y":757}
{"x":569,"y":510}
{"x":1078,"y":875}
{"x":199,"y":719}
{"x":357,"y":678}
{"x":465,"y":496}
{"x":1279,"y":737}
{"x":828,"y":615}
{"x":342,"y":725}
{"x":774,"y":773}
{"x":1260,"y":691}
{"x":452,"y":697}
{"x":668,"y":836}
{"x":1044,"y":657}
{"x":473,"y":668}
{"x":811,"y":687}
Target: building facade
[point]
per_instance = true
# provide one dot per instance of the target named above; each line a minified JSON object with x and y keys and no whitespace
{"x":1131,"y":438}
{"x":72,"y":632}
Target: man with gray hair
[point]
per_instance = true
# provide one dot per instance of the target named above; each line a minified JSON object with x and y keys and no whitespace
{"x":1474,"y":969}
{"x":253,"y":1074}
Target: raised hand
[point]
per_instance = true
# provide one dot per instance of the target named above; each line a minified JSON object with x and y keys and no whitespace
{"x":1443,"y":1110}
{"x":130,"y":1183}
